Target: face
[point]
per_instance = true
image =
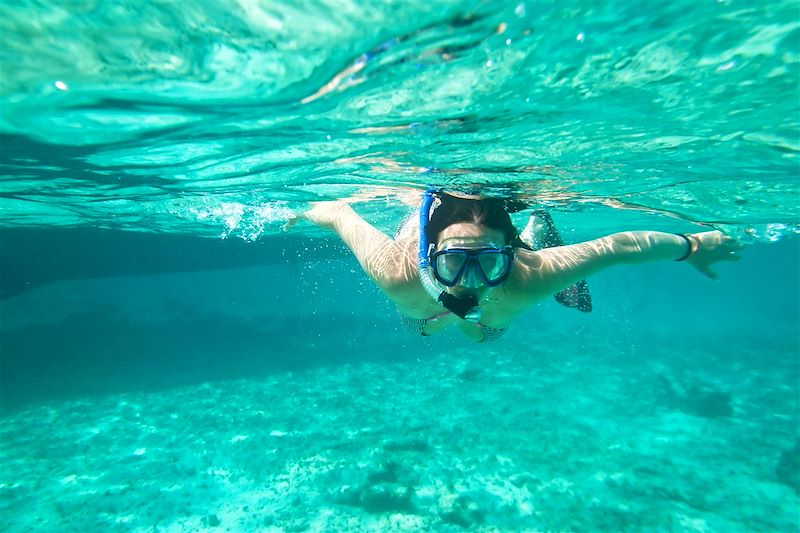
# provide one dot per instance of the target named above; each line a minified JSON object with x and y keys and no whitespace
{"x":469,"y":235}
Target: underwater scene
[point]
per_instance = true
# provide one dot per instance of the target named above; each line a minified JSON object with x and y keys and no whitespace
{"x":181,"y":350}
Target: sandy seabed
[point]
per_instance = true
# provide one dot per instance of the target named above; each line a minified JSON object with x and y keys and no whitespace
{"x":491,"y":441}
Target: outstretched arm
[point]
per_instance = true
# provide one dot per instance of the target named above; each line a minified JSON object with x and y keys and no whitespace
{"x":550,"y":270}
{"x":384,"y":260}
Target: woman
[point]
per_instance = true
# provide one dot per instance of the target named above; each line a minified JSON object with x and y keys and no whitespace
{"x":469,"y":268}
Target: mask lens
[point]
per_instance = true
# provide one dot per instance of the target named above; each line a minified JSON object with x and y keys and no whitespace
{"x":448,"y":266}
{"x":493,"y":264}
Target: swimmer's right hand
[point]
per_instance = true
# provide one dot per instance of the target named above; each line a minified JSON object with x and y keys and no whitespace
{"x":322,"y":214}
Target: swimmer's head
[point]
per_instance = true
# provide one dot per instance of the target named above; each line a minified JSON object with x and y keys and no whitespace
{"x":471,"y":224}
{"x":482,"y":213}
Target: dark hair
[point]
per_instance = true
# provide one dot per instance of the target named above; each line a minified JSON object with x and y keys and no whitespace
{"x":490,"y":212}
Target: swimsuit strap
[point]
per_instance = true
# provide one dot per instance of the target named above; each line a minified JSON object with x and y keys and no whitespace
{"x":491,"y":334}
{"x":417,"y":325}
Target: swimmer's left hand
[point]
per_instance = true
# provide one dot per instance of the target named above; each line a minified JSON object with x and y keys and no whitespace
{"x":714,"y":246}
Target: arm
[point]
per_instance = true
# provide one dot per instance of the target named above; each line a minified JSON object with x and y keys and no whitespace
{"x":548,"y":271}
{"x":385,"y":261}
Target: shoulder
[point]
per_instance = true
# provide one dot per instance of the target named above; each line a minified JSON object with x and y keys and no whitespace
{"x":536,"y":275}
{"x":529,"y":267}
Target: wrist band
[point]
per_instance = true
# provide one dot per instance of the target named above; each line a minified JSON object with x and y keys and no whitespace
{"x":691,"y":249}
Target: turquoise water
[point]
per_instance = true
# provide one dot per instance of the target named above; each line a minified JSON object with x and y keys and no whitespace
{"x":173,"y":360}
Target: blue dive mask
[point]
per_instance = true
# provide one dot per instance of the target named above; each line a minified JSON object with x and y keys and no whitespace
{"x":472,"y":267}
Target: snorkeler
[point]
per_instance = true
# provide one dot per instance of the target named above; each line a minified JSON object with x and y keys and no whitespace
{"x":462,"y":262}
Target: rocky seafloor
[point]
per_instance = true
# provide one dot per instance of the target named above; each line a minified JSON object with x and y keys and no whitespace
{"x":558,"y":438}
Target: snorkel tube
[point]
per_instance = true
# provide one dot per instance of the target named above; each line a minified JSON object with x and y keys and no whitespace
{"x":466,"y":307}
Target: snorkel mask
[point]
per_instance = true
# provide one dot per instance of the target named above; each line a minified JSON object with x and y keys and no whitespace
{"x":472,"y":267}
{"x":469,"y":267}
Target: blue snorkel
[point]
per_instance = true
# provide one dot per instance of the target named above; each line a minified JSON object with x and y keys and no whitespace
{"x":465,"y":307}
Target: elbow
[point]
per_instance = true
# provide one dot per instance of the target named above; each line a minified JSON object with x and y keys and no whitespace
{"x":390,"y":284}
{"x":627,"y":246}
{"x":394,"y":285}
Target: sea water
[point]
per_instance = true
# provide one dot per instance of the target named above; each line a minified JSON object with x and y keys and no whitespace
{"x":172,"y":360}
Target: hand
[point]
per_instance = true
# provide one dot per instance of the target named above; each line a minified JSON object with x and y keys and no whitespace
{"x":713,"y":246}
{"x":321,"y":213}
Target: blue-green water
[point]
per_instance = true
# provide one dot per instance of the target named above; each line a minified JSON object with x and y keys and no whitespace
{"x":172,"y":360}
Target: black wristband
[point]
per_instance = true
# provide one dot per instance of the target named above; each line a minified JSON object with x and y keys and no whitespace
{"x":690,"y":249}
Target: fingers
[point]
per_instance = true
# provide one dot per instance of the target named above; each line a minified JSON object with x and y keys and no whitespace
{"x":731,"y":248}
{"x":707,"y":272}
{"x":731,"y":244}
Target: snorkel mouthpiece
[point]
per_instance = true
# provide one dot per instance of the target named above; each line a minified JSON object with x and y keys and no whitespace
{"x":465,"y":307}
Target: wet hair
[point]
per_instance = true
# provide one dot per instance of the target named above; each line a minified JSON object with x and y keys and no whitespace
{"x":490,"y":212}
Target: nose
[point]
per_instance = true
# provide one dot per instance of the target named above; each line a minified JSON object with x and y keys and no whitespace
{"x":470,"y":280}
